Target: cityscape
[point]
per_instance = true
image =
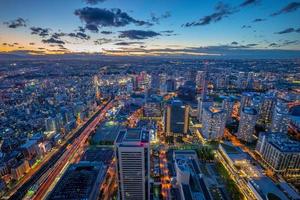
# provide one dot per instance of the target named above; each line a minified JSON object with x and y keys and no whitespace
{"x":149,"y":100}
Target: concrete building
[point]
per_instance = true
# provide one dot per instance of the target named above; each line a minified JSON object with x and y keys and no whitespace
{"x":280,"y":118}
{"x":201,"y":105}
{"x":280,"y":153}
{"x":214,"y":120}
{"x":227,"y":105}
{"x":192,"y":185}
{"x":133,"y":167}
{"x":19,"y":169}
{"x":266,"y":110}
{"x":247,"y":124}
{"x":176,"y":118}
{"x":250,"y":178}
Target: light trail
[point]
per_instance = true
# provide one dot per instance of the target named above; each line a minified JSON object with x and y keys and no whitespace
{"x":68,"y":155}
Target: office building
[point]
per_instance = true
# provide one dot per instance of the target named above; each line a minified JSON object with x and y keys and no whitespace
{"x":176,"y":118}
{"x":214,"y":120}
{"x":247,"y":124}
{"x":280,"y":153}
{"x":133,"y":167}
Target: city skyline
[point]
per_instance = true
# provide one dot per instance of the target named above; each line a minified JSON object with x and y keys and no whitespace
{"x":210,"y":29}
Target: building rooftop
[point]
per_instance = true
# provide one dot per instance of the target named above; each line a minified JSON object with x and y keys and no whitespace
{"x":133,"y":135}
{"x":282,"y":142}
{"x":98,"y":154}
{"x":79,"y":181}
{"x":266,"y":188}
{"x":249,"y":111}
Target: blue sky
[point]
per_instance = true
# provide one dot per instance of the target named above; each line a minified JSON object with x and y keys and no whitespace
{"x":171,"y":15}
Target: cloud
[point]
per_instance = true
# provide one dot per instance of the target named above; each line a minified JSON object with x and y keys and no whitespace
{"x":31,"y":43}
{"x":79,"y":35}
{"x":58,"y":35}
{"x":221,"y":11}
{"x":101,"y":41}
{"x":138,"y":34}
{"x":274,"y":45}
{"x":288,"y":30}
{"x":156,"y":19}
{"x":258,"y":20}
{"x":95,"y":18}
{"x":248,"y":2}
{"x":251,"y":45}
{"x":167,"y":31}
{"x":10,"y":45}
{"x":220,"y":51}
{"x":80,"y":29}
{"x":53,"y":40}
{"x":19,"y":22}
{"x":234,"y":43}
{"x":93,"y":2}
{"x":291,"y":42}
{"x":291,"y":7}
{"x":127,"y":43}
{"x":43,"y":32}
{"x":246,"y":26}
{"x":106,"y":32}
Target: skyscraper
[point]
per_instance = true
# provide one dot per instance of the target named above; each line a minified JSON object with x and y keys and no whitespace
{"x":247,"y":124}
{"x":200,"y":79}
{"x":214,"y":120}
{"x":280,"y":118}
{"x":201,"y":105}
{"x":227,"y":105}
{"x":133,"y":168}
{"x":266,"y":110}
{"x":176,"y":118}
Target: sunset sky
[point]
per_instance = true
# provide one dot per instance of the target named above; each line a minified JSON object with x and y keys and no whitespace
{"x":150,"y":27}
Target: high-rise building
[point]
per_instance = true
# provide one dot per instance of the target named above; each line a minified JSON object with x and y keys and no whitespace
{"x":155,"y":81}
{"x":227,"y":105}
{"x":200,"y":79}
{"x":201,"y":105}
{"x":50,"y":124}
{"x":176,"y":118}
{"x":214,"y":120}
{"x":280,"y":118}
{"x":133,"y":167}
{"x":266,"y":110}
{"x":247,"y":124}
{"x":246,"y":99}
{"x":171,"y":85}
{"x":241,"y":80}
{"x":162,"y":83}
{"x":280,"y":153}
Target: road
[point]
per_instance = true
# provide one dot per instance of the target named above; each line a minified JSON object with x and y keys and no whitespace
{"x":165,"y":178}
{"x":39,"y":173}
{"x":72,"y":149}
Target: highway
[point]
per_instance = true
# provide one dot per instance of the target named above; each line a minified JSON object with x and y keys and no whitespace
{"x":56,"y":163}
